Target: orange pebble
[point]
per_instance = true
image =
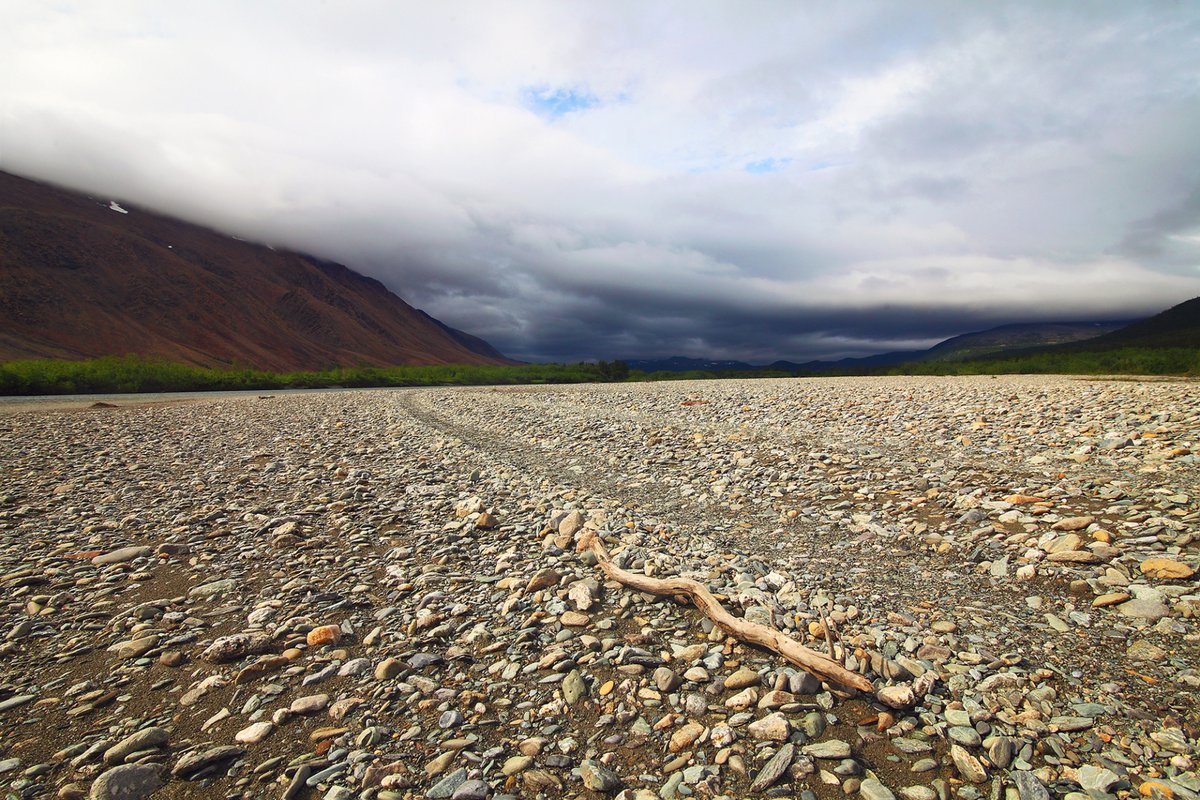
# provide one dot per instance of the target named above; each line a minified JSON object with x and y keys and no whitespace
{"x":326,"y":634}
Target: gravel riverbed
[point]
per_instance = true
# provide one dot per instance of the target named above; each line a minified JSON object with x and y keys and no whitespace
{"x":378,"y":594}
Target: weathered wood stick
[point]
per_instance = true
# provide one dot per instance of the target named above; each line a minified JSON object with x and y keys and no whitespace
{"x":750,"y":632}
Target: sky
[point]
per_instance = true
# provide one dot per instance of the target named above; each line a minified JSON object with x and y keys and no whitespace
{"x":599,"y":180}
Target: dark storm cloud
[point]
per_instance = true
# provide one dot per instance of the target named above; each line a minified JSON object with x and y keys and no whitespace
{"x":769,"y":181}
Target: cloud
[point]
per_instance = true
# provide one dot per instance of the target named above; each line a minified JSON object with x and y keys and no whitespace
{"x":620,"y":179}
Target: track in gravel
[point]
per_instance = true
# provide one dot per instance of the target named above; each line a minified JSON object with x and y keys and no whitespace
{"x":918,"y":581}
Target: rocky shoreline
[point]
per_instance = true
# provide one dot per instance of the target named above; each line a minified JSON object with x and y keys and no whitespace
{"x":380,"y":595}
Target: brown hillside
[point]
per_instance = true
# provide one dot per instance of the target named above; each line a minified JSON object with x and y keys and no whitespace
{"x":79,"y":279}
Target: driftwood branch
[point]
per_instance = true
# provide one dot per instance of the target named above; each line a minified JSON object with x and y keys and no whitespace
{"x":750,"y":632}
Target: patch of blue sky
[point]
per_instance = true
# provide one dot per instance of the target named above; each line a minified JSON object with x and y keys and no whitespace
{"x":554,"y":102}
{"x":767,"y":165}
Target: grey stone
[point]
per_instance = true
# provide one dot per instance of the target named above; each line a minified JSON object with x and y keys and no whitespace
{"x":195,"y":762}
{"x":831,"y":749}
{"x":447,"y":786}
{"x":967,"y":737}
{"x":236,"y":646}
{"x":127,"y":782}
{"x":1028,"y":786}
{"x":146,"y":739}
{"x":1000,"y":751}
{"x":122,"y":555}
{"x":598,"y":777}
{"x":213,"y":588}
{"x":813,"y":724}
{"x":872,"y":789}
{"x":573,"y":687}
{"x":1096,"y":781}
{"x":774,"y":768}
{"x":17,"y":700}
{"x":472,"y":790}
{"x":1144,"y":608}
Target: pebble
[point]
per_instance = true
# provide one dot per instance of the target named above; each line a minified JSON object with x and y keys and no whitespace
{"x":254,"y":733}
{"x":311,"y":704}
{"x":1166,"y":569}
{"x":573,"y":687}
{"x":472,"y":789}
{"x":1096,"y":781}
{"x":968,"y":766}
{"x":127,"y":782}
{"x":830,"y":749}
{"x":190,"y":765}
{"x":685,"y":737}
{"x":121,"y":555}
{"x":742,"y":679}
{"x":146,"y":739}
{"x":774,"y":769}
{"x":773,"y":727}
{"x":598,"y":777}
{"x":872,"y":789}
{"x":1028,"y":786}
{"x":447,"y":786}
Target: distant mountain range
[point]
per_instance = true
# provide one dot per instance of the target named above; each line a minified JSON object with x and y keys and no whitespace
{"x":1176,"y":327}
{"x":83,"y":277}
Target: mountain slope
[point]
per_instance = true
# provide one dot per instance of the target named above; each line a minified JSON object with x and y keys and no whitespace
{"x":1020,"y":336}
{"x":81,"y":278}
{"x":1178,"y":326}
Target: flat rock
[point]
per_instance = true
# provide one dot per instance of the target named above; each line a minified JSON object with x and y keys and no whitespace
{"x":447,"y":786}
{"x":1110,"y":599}
{"x":122,"y":555}
{"x":324,"y":635}
{"x":872,"y":789}
{"x":684,"y":737}
{"x":543,"y":579}
{"x":898,"y":697}
{"x":742,"y":679}
{"x":1144,"y":608}
{"x":773,"y":770}
{"x":574,"y":688}
{"x":1166,"y":569}
{"x":145,"y":739}
{"x":1028,"y":786}
{"x":235,"y":647}
{"x":312,"y":704}
{"x":16,"y":701}
{"x":773,"y":727}
{"x":598,"y":777}
{"x":830,"y":749}
{"x":1096,"y":781}
{"x":1073,"y":523}
{"x":968,"y":766}
{"x":195,"y":762}
{"x":1144,"y":651}
{"x":127,"y":782}
{"x":254,"y":733}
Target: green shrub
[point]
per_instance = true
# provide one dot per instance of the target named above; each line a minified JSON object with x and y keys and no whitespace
{"x":131,"y":373}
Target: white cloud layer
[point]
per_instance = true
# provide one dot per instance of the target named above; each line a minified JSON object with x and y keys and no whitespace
{"x":572,"y":180}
